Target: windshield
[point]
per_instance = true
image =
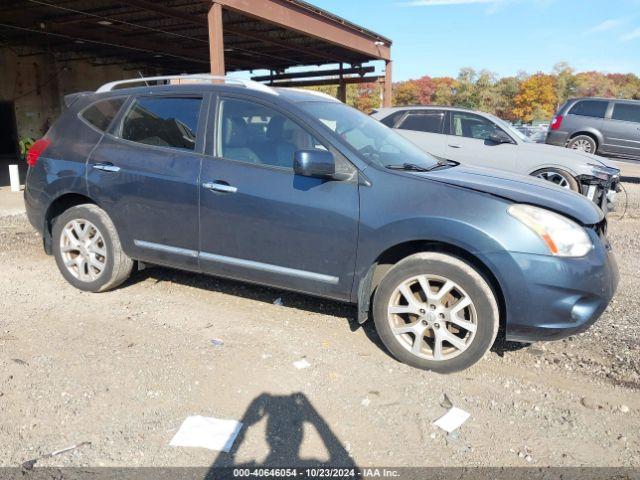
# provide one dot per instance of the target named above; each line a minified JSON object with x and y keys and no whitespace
{"x":372,"y":140}
{"x":511,"y":129}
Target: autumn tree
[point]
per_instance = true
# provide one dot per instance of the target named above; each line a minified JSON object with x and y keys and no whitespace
{"x":594,"y":84}
{"x":426,"y":87}
{"x":506,"y":89}
{"x":465,"y":92}
{"x":366,"y":96}
{"x":405,"y":93}
{"x":443,"y":90}
{"x":565,"y":81}
{"x":537,"y":98}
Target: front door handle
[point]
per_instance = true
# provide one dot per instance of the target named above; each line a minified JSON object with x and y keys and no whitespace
{"x":219,"y":187}
{"x":106,"y":167}
{"x":455,"y":146}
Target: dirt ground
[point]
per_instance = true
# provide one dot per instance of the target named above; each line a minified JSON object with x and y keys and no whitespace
{"x":123,"y":369}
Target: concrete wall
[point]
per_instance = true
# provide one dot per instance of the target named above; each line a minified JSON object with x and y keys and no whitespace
{"x":37,"y":85}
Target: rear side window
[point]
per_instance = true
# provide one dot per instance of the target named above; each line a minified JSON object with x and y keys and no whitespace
{"x":391,"y":120}
{"x":423,"y":121}
{"x":626,"y":112}
{"x":102,"y":113}
{"x":163,"y":122}
{"x":590,"y":108}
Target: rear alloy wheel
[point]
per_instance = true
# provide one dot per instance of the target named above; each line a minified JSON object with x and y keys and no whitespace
{"x":436,"y":312}
{"x":87,"y":249}
{"x":584,"y":143}
{"x":560,"y":177}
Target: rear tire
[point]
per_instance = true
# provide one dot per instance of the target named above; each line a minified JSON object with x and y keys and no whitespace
{"x":446,"y":330}
{"x":584,"y":143}
{"x":87,"y":249}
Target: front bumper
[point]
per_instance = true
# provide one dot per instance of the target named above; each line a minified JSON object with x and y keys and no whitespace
{"x":601,"y":191}
{"x":548,"y":298}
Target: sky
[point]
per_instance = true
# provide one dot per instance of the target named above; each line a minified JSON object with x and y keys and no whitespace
{"x":438,"y":37}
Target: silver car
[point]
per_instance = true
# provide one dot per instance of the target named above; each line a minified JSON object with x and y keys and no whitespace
{"x":481,"y":139}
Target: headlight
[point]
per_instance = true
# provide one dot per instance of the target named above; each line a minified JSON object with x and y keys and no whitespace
{"x":562,"y":236}
{"x":602,"y":172}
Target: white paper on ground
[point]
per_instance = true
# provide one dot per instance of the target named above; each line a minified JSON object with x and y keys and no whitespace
{"x":300,"y":364}
{"x":452,"y":420}
{"x":207,"y":432}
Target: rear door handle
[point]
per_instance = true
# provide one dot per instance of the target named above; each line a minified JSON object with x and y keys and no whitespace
{"x":106,"y":167}
{"x":219,"y":187}
{"x":455,"y":146}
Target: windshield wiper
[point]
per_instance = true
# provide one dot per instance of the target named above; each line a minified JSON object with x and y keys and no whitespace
{"x":407,"y":166}
{"x":442,"y":164}
{"x":416,"y":168}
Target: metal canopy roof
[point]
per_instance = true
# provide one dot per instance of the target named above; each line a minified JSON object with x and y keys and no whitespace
{"x":173,"y":35}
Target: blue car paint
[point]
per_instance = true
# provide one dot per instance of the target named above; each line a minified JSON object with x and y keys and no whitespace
{"x":322,"y":237}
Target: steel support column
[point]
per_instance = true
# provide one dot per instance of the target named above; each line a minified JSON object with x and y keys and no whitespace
{"x":216,"y":39}
{"x":388,"y":91}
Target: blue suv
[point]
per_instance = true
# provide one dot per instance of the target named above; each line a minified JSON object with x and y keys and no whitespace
{"x":295,"y":190}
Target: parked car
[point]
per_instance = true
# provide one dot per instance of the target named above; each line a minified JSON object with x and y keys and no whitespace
{"x":605,"y":126}
{"x":296,"y":190}
{"x":484,"y":140}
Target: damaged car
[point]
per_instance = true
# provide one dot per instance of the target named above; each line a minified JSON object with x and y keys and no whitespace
{"x":484,"y":140}
{"x":295,"y":190}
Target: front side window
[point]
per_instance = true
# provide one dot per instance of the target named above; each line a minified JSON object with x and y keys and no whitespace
{"x":626,"y":112}
{"x":429,"y":121}
{"x":102,"y":113}
{"x":253,"y":133}
{"x":372,"y":140}
{"x":590,"y":108}
{"x":472,"y":126}
{"x":163,"y":122}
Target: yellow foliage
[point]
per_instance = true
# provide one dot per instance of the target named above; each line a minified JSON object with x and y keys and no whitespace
{"x":536,"y":99}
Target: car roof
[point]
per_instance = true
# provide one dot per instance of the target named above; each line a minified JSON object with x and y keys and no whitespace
{"x":606,"y":99}
{"x":429,"y":107}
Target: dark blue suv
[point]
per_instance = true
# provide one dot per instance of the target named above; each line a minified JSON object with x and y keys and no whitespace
{"x":295,"y":190}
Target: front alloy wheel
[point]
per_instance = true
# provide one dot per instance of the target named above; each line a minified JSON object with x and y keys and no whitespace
{"x":432,"y":317}
{"x":436,"y":312}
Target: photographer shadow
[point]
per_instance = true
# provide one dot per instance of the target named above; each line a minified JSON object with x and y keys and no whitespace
{"x":286,"y":416}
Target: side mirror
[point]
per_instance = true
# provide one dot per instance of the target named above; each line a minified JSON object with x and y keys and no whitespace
{"x":498,"y":137}
{"x":314,"y":163}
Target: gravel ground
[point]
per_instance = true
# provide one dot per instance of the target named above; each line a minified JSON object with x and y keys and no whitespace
{"x":123,"y":369}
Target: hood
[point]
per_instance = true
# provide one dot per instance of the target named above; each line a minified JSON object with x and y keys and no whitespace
{"x":552,"y":151}
{"x":521,"y":189}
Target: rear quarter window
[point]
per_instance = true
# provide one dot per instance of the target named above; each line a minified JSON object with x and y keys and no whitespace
{"x":590,"y":108}
{"x":102,"y":113}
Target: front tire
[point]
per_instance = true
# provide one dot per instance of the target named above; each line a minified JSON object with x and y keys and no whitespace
{"x":436,"y":312}
{"x":87,"y":249}
{"x":559,"y":177}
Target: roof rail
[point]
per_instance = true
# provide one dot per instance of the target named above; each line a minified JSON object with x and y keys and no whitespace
{"x":194,"y":78}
